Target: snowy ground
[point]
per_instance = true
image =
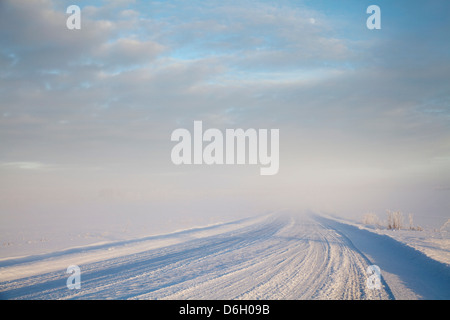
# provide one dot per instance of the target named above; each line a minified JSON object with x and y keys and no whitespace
{"x":270,"y":257}
{"x":433,"y":242}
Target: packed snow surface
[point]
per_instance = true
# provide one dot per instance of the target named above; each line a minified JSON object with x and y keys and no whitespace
{"x":276,"y":256}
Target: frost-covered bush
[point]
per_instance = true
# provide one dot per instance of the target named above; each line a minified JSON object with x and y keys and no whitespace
{"x":371,"y":219}
{"x":394,"y":220}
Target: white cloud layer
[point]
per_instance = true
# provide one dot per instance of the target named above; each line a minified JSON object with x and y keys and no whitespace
{"x":355,"y":113}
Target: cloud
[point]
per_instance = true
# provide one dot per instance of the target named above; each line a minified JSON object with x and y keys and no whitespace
{"x":24,"y":165}
{"x":127,"y":52}
{"x":353,"y":108}
{"x":253,"y":35}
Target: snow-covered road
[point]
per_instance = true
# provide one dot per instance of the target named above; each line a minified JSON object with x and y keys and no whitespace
{"x":273,"y":257}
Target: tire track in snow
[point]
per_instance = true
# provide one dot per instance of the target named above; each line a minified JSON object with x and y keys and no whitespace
{"x":281,"y":257}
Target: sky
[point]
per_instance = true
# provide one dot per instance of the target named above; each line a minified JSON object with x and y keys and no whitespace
{"x":86,"y":115}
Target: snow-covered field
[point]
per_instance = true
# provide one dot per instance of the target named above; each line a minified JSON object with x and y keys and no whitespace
{"x":432,"y":241}
{"x":276,"y":256}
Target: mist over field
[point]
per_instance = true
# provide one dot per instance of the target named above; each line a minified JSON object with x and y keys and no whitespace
{"x":86,"y":116}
